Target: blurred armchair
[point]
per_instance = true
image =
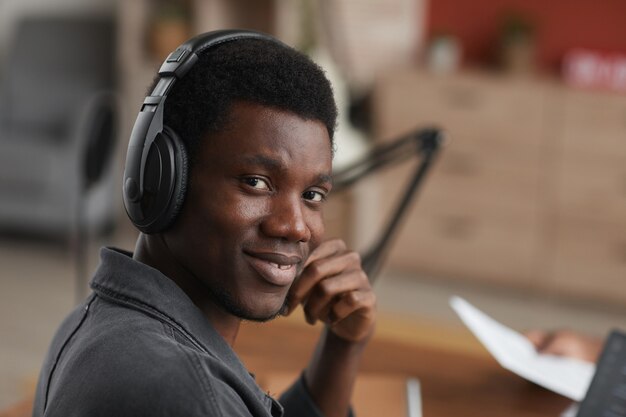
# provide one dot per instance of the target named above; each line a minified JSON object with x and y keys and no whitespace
{"x":58,"y":126}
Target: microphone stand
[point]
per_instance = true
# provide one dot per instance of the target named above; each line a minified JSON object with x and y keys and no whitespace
{"x":424,"y":142}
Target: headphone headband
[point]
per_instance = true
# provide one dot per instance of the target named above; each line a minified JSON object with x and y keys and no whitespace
{"x":183,"y":58}
{"x":149,"y":123}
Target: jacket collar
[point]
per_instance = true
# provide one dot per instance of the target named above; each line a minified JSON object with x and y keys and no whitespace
{"x":123,"y":280}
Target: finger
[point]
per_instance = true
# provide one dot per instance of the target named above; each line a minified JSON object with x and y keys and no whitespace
{"x":326,"y":249}
{"x":559,"y":343}
{"x":325,"y":293}
{"x":319,"y":270}
{"x":565,"y":343}
{"x":537,"y":337}
{"x":359,"y":300}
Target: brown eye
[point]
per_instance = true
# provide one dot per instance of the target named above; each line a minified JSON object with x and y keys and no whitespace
{"x":256,"y":183}
{"x":314,"y":196}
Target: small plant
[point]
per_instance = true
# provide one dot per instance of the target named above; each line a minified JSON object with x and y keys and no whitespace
{"x":516,"y":27}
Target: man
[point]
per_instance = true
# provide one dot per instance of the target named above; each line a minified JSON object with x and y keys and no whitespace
{"x":256,"y":119}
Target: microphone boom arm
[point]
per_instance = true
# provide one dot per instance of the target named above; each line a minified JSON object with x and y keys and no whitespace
{"x":425,"y":142}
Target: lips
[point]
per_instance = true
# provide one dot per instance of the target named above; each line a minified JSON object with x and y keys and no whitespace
{"x":275,"y":268}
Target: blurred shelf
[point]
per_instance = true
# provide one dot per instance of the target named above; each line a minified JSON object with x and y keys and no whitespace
{"x":530,"y":191}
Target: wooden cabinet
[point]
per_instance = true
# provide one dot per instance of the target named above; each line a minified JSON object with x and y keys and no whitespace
{"x":530,"y":191}
{"x":589,"y":259}
{"x":590,"y":197}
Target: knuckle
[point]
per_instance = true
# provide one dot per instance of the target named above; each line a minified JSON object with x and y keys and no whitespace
{"x":363,"y":276}
{"x":315,"y":268}
{"x":353,"y":298}
{"x":353,"y":257}
{"x":326,"y":288}
{"x":356,"y":257}
{"x":338,"y":244}
{"x":372,"y":299}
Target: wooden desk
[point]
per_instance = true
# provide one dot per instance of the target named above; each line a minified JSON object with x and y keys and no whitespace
{"x":375,"y":395}
{"x":453,"y":383}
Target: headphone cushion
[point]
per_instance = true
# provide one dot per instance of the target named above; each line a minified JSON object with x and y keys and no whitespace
{"x":180,"y":181}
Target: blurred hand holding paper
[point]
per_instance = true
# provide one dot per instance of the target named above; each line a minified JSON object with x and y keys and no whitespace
{"x":565,"y":376}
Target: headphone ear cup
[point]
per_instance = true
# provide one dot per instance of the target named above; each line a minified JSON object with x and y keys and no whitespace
{"x":180,"y":171}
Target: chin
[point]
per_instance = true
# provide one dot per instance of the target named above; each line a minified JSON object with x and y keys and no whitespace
{"x":259,"y":315}
{"x":255,"y":310}
{"x":251,"y":306}
{"x":261,"y":318}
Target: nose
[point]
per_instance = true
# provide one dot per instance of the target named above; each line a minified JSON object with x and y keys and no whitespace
{"x":287,"y":220}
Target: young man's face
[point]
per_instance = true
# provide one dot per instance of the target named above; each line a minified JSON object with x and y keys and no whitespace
{"x":253,"y":209}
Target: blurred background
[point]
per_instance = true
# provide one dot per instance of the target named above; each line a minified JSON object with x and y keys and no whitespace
{"x":524,"y":212}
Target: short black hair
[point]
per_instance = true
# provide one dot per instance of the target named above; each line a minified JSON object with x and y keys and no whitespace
{"x":247,"y":70}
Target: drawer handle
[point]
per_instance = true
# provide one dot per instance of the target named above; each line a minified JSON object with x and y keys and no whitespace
{"x":459,"y":164}
{"x":457,"y":227}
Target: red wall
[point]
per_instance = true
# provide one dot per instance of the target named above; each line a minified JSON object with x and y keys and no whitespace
{"x":559,"y":25}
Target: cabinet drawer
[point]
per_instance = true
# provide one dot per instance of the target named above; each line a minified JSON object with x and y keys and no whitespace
{"x":469,"y":105}
{"x":592,"y":187}
{"x":590,"y":259}
{"x":461,"y":244}
{"x":467,"y":181}
{"x":481,"y":225}
{"x":593,"y":124}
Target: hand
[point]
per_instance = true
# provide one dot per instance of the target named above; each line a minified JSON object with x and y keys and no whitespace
{"x":566,"y":343}
{"x":334,"y":289}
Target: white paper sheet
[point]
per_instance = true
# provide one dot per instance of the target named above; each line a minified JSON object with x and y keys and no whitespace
{"x":565,"y":376}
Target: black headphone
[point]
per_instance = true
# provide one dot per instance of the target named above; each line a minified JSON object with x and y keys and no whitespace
{"x":155,"y":175}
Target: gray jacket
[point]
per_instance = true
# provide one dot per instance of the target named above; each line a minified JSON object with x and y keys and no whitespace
{"x":138,"y":346}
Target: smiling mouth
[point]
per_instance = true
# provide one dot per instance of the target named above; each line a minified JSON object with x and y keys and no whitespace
{"x":283,"y":267}
{"x":276,"y":269}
